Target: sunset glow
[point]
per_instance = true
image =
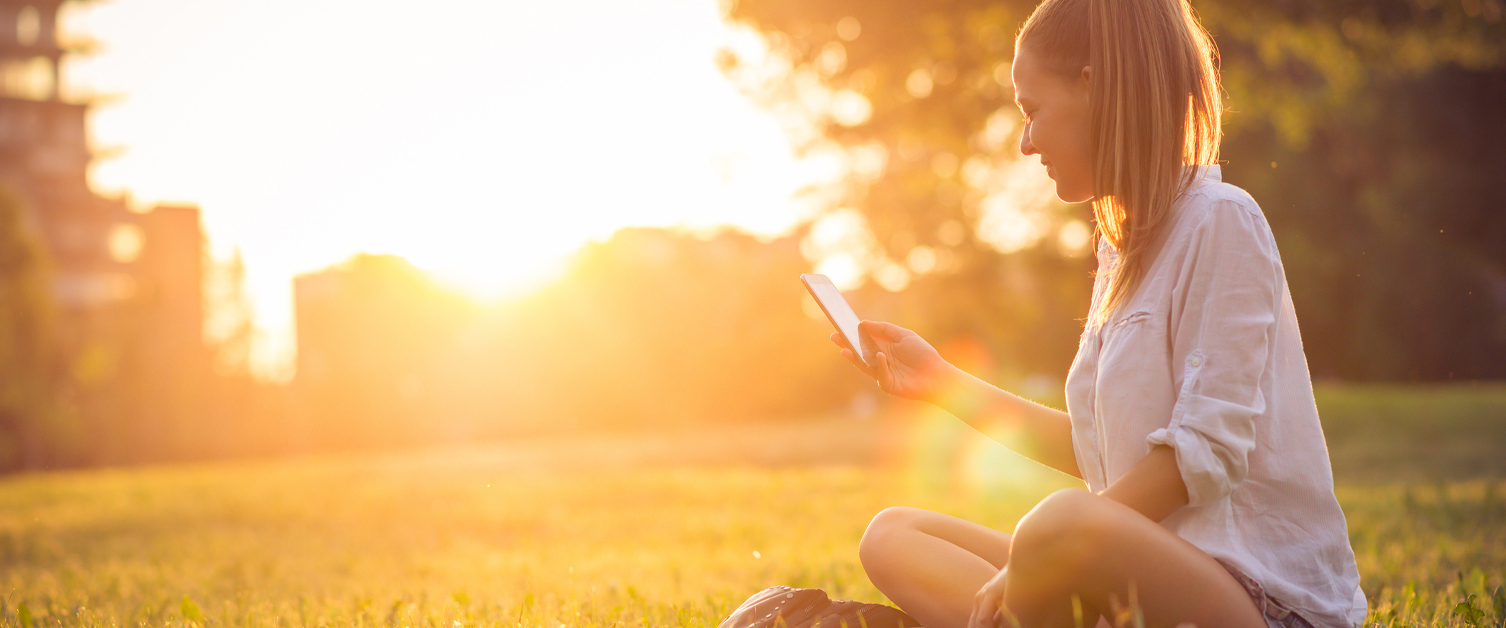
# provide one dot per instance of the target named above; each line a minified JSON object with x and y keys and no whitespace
{"x":482,"y":141}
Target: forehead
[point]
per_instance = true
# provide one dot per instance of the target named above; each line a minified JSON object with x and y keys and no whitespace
{"x":1023,"y":72}
{"x":1032,"y":80}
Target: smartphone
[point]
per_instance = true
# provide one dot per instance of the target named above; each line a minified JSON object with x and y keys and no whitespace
{"x":840,"y":314}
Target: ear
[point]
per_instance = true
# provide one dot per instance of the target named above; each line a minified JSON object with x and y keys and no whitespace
{"x":1086,"y":84}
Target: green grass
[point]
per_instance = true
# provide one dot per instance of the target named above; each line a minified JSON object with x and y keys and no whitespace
{"x":1415,"y":433}
{"x":667,"y":530}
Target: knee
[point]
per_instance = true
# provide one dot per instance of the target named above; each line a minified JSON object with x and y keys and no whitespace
{"x":1066,"y":531}
{"x":887,"y":526}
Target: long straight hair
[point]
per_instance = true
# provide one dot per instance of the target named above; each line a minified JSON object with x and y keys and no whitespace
{"x":1154,"y":104}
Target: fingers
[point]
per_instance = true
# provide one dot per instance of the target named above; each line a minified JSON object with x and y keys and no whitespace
{"x":988,"y":605}
{"x":986,"y":612}
{"x":981,"y":617}
{"x":884,"y":374}
{"x":853,"y":358}
{"x":880,"y":370}
{"x":850,"y":355}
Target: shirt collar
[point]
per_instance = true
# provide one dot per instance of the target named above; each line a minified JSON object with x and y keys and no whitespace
{"x":1206,"y":174}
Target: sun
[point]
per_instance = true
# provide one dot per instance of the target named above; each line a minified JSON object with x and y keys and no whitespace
{"x":482,"y":141}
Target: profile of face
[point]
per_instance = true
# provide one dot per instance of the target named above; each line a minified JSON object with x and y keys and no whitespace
{"x":1055,"y":108}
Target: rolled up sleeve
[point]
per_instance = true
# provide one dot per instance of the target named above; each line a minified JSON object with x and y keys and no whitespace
{"x":1224,"y":305}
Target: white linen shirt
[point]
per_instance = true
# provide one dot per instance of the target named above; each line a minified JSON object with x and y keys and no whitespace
{"x":1205,"y":358}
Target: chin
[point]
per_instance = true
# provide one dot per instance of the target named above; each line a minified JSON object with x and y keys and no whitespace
{"x":1072,"y":196}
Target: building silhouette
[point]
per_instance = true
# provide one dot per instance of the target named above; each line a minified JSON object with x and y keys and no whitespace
{"x":128,"y":283}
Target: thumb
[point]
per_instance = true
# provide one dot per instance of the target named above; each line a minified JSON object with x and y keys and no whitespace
{"x":877,"y":329}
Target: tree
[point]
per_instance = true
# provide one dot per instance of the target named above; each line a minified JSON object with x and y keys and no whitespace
{"x":32,"y":429}
{"x":372,"y":333}
{"x":916,"y":95}
{"x":649,"y":328}
{"x":655,"y":327}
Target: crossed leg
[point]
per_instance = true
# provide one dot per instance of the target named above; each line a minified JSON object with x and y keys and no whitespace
{"x":1073,"y":542}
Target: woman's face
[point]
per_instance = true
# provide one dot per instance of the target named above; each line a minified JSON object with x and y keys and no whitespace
{"x":1056,"y":123}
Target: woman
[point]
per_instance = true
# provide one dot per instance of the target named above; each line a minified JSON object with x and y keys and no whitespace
{"x":1190,"y":412}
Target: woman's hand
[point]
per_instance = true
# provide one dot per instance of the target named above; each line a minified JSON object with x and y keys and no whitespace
{"x":988,"y":604}
{"x":905,"y":365}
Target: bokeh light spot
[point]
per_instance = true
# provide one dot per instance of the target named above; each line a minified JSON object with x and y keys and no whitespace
{"x":125,"y":243}
{"x":848,"y":28}
{"x":842,"y":269}
{"x":919,"y":84}
{"x":892,"y":277}
{"x":28,"y":26}
{"x":849,"y":108}
{"x":1073,"y":238}
{"x":922,"y":260}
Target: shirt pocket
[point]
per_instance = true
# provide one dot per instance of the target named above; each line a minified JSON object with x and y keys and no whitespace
{"x":1137,"y":316}
{"x":1133,"y":336}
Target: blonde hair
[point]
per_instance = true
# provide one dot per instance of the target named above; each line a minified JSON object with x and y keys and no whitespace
{"x":1154,"y":107}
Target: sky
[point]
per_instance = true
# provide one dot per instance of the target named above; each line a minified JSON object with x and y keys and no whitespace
{"x":483,"y":140}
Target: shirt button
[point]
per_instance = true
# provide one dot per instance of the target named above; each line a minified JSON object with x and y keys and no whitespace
{"x":1195,"y":361}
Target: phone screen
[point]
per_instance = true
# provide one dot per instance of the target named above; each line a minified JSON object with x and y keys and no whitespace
{"x":839,"y":313}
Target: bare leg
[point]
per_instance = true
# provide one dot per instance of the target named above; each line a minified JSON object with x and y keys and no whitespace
{"x":1072,"y":543}
{"x":931,"y":564}
{"x":1075,"y":542}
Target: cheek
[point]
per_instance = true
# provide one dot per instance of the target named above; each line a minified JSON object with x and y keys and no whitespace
{"x":1080,"y":145}
{"x":1040,"y":135}
{"x":1073,"y":152}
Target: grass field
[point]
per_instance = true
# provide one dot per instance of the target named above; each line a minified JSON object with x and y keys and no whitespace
{"x":665,"y":530}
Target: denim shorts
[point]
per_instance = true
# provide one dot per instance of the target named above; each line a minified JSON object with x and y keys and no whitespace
{"x":1277,"y":614}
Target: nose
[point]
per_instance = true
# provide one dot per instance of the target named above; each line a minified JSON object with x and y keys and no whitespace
{"x":1026,"y":147}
